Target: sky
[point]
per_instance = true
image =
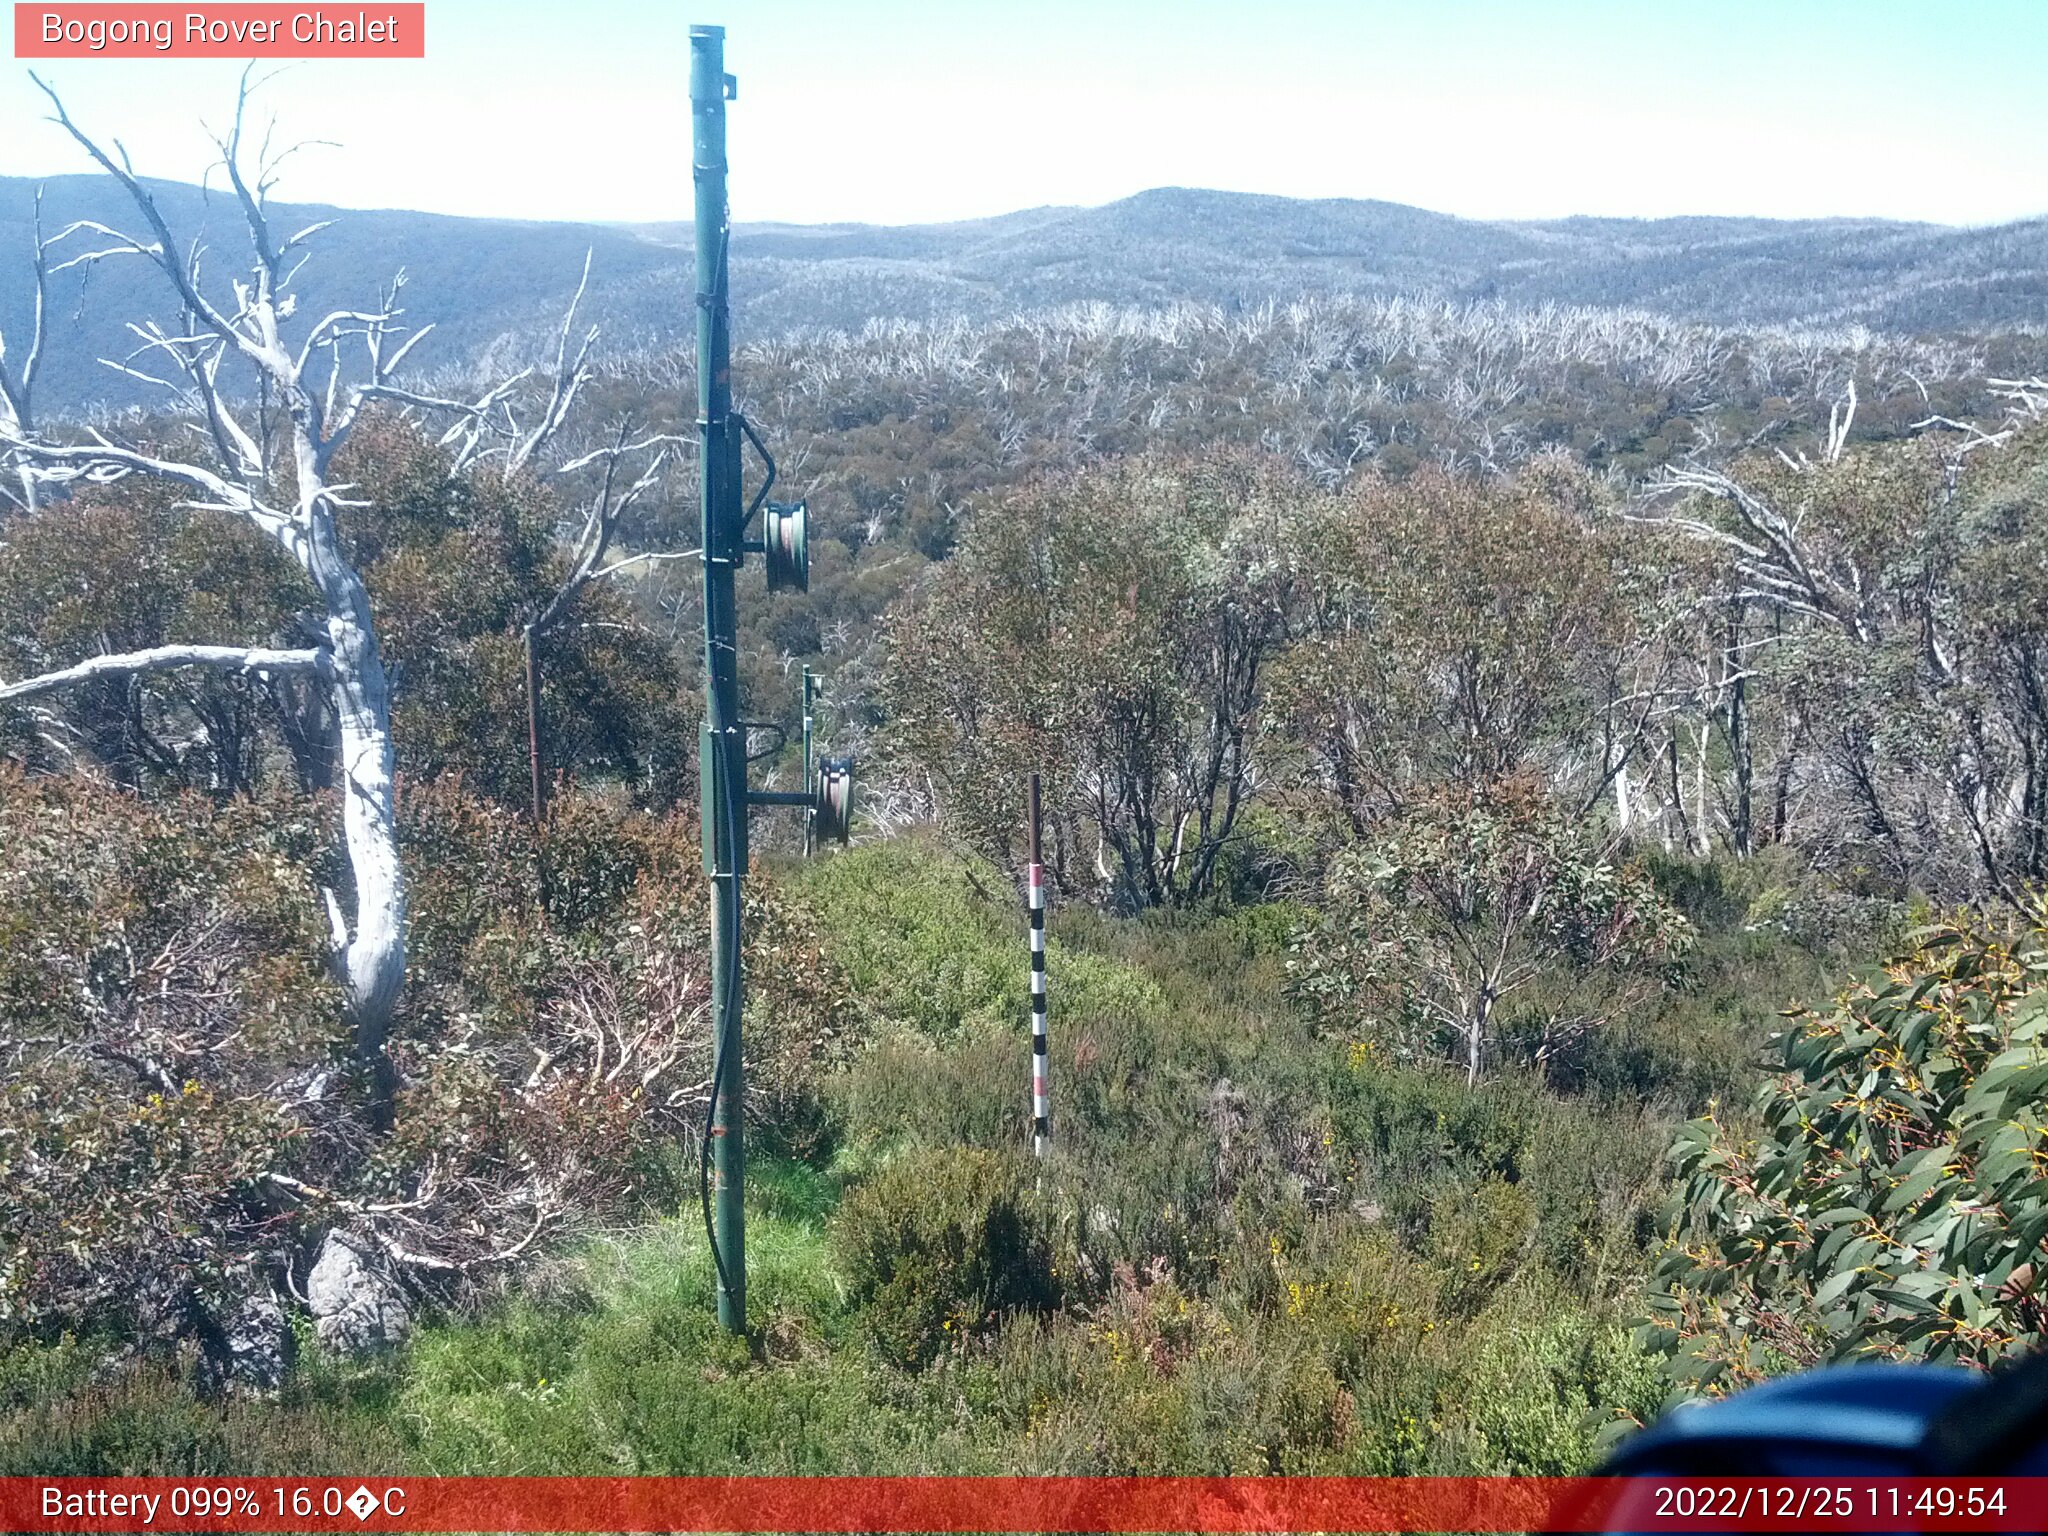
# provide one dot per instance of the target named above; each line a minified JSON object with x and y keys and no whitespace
{"x":907,"y":111}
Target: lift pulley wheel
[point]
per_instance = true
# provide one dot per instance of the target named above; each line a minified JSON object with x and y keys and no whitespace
{"x":835,"y":799}
{"x":786,"y":545}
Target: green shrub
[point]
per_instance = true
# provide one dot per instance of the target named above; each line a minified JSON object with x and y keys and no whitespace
{"x":939,"y":1246}
{"x":919,"y":933}
{"x":1499,"y":1173}
{"x":905,"y":1092}
{"x":162,"y":969}
{"x":1889,"y":1201}
{"x":1541,"y":1377}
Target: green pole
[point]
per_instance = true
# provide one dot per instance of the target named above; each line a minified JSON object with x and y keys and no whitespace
{"x":722,"y":761}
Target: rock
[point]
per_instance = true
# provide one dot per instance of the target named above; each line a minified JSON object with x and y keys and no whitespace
{"x":251,"y":1348}
{"x":356,"y":1303}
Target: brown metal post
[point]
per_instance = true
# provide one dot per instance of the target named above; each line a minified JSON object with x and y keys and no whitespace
{"x":533,"y":758}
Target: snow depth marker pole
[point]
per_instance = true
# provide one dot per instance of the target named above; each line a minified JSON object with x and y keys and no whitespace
{"x":1041,"y":1095}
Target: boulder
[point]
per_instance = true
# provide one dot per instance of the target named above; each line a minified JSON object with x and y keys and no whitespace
{"x":356,"y":1302}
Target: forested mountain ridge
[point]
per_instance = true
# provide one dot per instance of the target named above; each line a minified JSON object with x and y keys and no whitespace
{"x":481,"y":280}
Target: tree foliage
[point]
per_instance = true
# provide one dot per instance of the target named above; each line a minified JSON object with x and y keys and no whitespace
{"x":1112,"y":632}
{"x":1460,"y":906}
{"x":1456,"y":631}
{"x":455,"y":566}
{"x":1886,"y":1199}
{"x":125,"y":569}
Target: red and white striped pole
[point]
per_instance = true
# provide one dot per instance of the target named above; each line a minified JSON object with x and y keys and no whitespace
{"x":1041,"y":1096}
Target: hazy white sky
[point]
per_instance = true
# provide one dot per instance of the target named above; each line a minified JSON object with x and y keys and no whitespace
{"x":907,"y":110}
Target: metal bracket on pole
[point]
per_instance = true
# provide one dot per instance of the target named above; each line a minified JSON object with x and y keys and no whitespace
{"x":767,"y":459}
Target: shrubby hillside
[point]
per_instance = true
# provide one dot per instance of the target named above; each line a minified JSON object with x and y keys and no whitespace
{"x":1467,"y":727}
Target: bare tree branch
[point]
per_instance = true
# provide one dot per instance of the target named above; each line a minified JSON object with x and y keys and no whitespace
{"x":232,"y":658}
{"x":570,"y":376}
{"x":601,"y":518}
{"x":1772,"y":555}
{"x":627,"y":562}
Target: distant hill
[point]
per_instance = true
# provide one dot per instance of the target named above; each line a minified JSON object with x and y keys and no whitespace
{"x":494,"y":288}
{"x":480,"y":281}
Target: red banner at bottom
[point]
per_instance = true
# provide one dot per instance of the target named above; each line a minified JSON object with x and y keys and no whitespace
{"x":1023,"y":1504}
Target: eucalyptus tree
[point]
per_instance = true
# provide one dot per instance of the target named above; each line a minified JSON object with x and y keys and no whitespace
{"x":1111,"y":631}
{"x":1473,"y":901}
{"x":1455,"y":631}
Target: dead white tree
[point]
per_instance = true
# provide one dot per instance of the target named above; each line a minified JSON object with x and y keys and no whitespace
{"x":17,"y":384}
{"x":274,"y":415}
{"x":490,"y":426}
{"x":1775,"y":562}
{"x":2027,"y":398}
